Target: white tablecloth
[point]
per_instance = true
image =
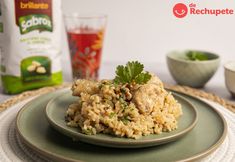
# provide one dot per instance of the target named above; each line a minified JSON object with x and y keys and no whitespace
{"x":12,"y":149}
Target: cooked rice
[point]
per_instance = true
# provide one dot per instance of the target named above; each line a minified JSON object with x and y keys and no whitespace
{"x":121,"y":110}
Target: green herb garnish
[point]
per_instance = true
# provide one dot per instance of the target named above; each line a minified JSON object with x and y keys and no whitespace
{"x":87,"y":131}
{"x":111,"y":115}
{"x":123,"y":103}
{"x":125,"y":120}
{"x":131,"y":73}
{"x":196,"y":56}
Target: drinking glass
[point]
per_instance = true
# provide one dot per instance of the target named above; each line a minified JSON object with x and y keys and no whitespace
{"x":85,"y":38}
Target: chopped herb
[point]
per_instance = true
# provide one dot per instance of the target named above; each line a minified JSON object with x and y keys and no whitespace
{"x":125,"y":119}
{"x":87,"y":131}
{"x":196,"y":56}
{"x":123,"y":90}
{"x":123,"y":103}
{"x":131,"y":73}
{"x":100,"y":86}
{"x":110,"y":103}
{"x":111,"y":115}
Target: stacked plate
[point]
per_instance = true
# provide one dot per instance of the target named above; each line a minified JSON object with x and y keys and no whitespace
{"x":41,"y":125}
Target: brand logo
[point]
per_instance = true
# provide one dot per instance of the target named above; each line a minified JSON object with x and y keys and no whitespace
{"x":180,"y":10}
{"x":33,"y":15}
{"x":33,"y":22}
{"x":33,"y":5}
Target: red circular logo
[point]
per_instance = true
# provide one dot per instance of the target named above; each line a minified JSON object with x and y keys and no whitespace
{"x":180,"y":10}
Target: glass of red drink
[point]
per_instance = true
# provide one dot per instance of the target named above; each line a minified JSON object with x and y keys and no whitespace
{"x":85,"y":38}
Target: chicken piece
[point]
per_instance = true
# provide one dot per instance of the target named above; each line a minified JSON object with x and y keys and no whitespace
{"x":155,"y":80}
{"x":84,"y":86}
{"x":147,"y":96}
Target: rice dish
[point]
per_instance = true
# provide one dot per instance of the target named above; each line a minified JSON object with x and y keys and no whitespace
{"x":123,"y":110}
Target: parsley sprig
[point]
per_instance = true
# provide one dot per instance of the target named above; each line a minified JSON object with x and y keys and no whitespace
{"x":131,"y":73}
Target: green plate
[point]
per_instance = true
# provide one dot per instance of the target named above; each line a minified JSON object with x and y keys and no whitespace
{"x":55,"y":112}
{"x":35,"y":131}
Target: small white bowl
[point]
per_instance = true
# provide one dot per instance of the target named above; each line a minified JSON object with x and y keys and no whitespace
{"x":229,"y":72}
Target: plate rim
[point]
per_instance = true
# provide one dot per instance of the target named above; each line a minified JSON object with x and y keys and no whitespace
{"x":197,"y":156}
{"x":121,"y":144}
{"x":212,"y":148}
{"x":24,"y":140}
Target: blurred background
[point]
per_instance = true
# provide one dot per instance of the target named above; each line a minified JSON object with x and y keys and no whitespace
{"x":146,"y":30}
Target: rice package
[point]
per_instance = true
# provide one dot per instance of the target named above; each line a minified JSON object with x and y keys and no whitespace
{"x":30,"y":44}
